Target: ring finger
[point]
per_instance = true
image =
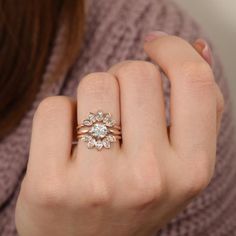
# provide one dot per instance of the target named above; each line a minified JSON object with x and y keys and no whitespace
{"x":98,"y":92}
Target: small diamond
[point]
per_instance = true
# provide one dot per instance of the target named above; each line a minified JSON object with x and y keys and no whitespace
{"x":87,"y":122}
{"x":106,"y":143}
{"x":99,"y":144}
{"x":110,"y":123}
{"x":107,"y":117}
{"x":99,"y":130}
{"x":91,"y":143}
{"x":111,"y":138}
{"x":86,"y":138}
{"x":99,"y":116}
{"x":92,"y":117}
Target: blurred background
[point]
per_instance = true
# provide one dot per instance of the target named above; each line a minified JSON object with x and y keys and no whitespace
{"x":218,"y":18}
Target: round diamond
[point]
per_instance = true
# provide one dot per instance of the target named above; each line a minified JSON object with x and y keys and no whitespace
{"x":99,"y":130}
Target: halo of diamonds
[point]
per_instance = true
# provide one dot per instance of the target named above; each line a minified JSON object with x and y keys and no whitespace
{"x":99,"y":135}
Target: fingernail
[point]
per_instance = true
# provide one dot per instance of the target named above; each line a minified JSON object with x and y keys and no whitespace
{"x":154,"y":35}
{"x":203,"y":48}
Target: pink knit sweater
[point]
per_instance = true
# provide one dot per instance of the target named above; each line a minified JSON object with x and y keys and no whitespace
{"x":115,"y":29}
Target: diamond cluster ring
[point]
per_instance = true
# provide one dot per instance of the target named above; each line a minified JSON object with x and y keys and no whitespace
{"x":99,"y":130}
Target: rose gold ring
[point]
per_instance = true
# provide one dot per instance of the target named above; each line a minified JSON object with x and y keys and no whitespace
{"x":85,"y":131}
{"x":82,"y":126}
{"x":99,"y":130}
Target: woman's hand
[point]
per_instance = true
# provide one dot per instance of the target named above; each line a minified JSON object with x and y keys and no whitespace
{"x":137,"y":186}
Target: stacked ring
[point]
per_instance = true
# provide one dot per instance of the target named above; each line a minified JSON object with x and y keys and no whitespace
{"x":99,"y":130}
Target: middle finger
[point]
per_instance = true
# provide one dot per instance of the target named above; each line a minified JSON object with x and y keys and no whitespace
{"x":142,"y":106}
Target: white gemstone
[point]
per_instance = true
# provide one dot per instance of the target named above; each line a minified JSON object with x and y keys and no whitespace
{"x":106,"y":143}
{"x":91,"y":143}
{"x":111,"y":138}
{"x":99,"y":116}
{"x":107,"y":117}
{"x":92,"y":117}
{"x":86,"y":138}
{"x":110,"y":122}
{"x":99,"y":130}
{"x":99,"y":144}
{"x":87,"y":122}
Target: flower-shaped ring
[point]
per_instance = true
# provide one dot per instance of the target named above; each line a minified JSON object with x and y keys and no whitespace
{"x":99,"y":130}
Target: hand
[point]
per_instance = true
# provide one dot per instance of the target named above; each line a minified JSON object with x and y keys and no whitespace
{"x":136,"y":187}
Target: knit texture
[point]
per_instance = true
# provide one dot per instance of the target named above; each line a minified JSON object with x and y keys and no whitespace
{"x":115,"y":30}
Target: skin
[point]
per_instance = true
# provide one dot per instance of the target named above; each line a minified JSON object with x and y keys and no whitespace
{"x":139,"y":185}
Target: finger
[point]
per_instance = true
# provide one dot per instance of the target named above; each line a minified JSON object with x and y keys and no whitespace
{"x":51,"y":135}
{"x":142,"y":105}
{"x":98,"y":91}
{"x":204,"y":50}
{"x":193,"y":97}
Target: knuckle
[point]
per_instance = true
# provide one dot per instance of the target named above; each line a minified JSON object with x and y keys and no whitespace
{"x":141,"y":68}
{"x":147,"y":194}
{"x":97,"y":199}
{"x":51,"y":197}
{"x":147,"y":189}
{"x":116,"y":66}
{"x":98,"y":82}
{"x":197,"y":74}
{"x":196,"y":181}
{"x":196,"y":184}
{"x":45,"y":194}
{"x":98,"y":194}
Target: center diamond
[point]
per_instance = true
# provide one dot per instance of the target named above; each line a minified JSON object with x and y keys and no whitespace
{"x":99,"y":130}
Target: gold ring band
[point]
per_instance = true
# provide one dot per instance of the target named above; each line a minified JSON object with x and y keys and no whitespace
{"x":85,"y":131}
{"x":81,"y":136}
{"x":83,"y":126}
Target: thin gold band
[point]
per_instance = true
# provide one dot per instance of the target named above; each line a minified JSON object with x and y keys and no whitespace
{"x":111,"y":130}
{"x":82,"y":126}
{"x":82,"y":135}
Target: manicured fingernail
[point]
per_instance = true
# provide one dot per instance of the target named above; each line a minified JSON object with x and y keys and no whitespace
{"x":203,"y":48}
{"x":154,"y":35}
